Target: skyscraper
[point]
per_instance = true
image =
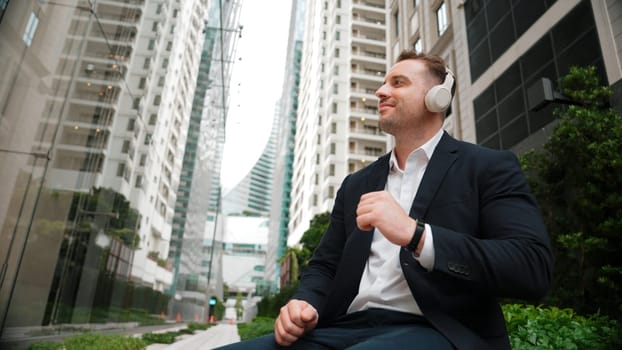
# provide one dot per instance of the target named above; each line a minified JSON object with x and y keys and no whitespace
{"x":192,"y":241}
{"x":96,"y":100}
{"x":343,"y":62}
{"x":284,"y":157}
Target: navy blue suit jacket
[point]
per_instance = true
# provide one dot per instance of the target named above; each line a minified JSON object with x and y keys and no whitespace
{"x":489,"y":242}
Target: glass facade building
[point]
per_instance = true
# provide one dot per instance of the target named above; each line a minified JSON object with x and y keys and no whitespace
{"x":95,"y":99}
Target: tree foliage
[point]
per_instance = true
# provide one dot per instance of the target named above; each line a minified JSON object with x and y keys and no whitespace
{"x":298,"y":257}
{"x":577,"y":179}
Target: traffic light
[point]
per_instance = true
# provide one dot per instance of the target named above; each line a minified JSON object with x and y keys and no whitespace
{"x":212,"y":306}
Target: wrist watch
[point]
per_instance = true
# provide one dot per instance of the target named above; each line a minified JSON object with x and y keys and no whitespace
{"x":414,"y":242}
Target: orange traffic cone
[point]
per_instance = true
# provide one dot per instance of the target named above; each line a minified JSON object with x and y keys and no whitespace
{"x":178,"y":318}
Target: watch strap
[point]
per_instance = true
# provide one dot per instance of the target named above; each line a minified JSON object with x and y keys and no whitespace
{"x":414,"y":242}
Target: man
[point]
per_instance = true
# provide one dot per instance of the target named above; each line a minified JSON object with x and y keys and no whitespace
{"x":421,"y":242}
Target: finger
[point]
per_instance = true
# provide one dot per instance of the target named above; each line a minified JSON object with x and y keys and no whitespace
{"x":309,"y":314}
{"x":293,"y":310}
{"x":363,"y":222}
{"x":281,"y":336}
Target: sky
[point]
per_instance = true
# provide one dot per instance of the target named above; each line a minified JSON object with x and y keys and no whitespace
{"x":256,"y":82}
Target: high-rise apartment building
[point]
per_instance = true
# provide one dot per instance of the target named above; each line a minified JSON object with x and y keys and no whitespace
{"x":284,"y":159}
{"x":343,"y":63}
{"x":193,"y":241}
{"x":252,"y":195}
{"x":96,"y":98}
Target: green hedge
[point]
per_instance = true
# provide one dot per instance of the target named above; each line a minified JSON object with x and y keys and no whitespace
{"x":540,"y":328}
{"x":101,"y":341}
{"x":530,"y":328}
{"x":260,"y":326}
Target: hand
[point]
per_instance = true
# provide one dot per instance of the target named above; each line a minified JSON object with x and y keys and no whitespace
{"x":380,"y":210}
{"x":295,"y":319}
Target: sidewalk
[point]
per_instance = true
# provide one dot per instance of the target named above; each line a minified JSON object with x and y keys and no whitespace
{"x":213,"y":337}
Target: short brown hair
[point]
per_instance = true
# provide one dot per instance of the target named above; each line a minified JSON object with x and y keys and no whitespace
{"x":435,"y":64}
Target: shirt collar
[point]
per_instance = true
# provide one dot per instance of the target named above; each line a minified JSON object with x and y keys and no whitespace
{"x":427,"y":148}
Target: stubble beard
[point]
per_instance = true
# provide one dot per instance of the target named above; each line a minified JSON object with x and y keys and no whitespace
{"x":388,"y":125}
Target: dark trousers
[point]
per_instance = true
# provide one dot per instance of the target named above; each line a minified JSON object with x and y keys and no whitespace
{"x":363,"y":330}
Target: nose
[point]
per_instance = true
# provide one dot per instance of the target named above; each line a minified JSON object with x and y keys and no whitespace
{"x":382,"y":92}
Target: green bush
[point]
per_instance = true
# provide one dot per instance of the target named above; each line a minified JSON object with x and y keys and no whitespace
{"x":258,"y":327}
{"x":103,"y":342}
{"x":160,"y":338}
{"x":532,"y":328}
{"x":195,"y":326}
{"x":48,"y":345}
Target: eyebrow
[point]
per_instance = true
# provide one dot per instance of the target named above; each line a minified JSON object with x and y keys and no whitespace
{"x":395,"y":77}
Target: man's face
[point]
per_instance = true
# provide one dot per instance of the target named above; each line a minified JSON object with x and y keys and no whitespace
{"x":401,"y":97}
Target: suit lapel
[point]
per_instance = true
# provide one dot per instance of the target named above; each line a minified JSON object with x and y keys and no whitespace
{"x":444,"y":156}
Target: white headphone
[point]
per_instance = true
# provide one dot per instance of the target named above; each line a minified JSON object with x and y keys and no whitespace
{"x":438,"y":98}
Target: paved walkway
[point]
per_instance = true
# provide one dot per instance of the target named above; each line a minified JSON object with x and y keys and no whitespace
{"x":213,"y":337}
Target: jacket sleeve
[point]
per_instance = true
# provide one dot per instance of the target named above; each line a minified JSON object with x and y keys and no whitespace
{"x":316,"y":281}
{"x":505,"y":251}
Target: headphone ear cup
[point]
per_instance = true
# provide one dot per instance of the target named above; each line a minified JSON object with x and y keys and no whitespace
{"x":437,"y":99}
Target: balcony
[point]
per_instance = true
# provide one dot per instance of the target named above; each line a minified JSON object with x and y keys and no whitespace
{"x":371,"y":6}
{"x":367,"y":55}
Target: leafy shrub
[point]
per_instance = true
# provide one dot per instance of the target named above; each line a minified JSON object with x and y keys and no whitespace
{"x":532,"y":328}
{"x":47,"y":345}
{"x":258,"y":327}
{"x":160,"y":338}
{"x":103,"y":342}
{"x":195,"y":326}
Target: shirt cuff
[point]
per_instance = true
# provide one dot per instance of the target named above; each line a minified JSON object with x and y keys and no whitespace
{"x":426,"y":258}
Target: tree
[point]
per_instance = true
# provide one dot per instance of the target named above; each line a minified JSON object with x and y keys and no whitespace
{"x":577,"y":180}
{"x":298,"y":257}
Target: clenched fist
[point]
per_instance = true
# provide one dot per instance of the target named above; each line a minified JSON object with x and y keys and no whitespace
{"x":295,"y":319}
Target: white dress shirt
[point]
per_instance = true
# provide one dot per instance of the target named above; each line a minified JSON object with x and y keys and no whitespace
{"x":383,"y":284}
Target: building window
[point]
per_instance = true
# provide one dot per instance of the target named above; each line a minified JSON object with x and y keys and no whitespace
{"x":337,"y":35}
{"x":131,"y":123}
{"x":396,"y":22}
{"x":335,"y":108}
{"x":333,"y":148}
{"x":147,"y":63}
{"x":333,"y":128}
{"x":136,"y":103}
{"x":31,"y":29}
{"x":417,"y":45}
{"x":331,"y":170}
{"x":157,"y":100}
{"x":152,"y":119}
{"x":120,"y":169}
{"x":142,"y":82}
{"x":154,"y":27}
{"x":336,"y":52}
{"x":441,"y":19}
{"x":143,"y":160}
{"x":126,"y":146}
{"x":335,"y":89}
{"x":338,"y":19}
{"x":147,"y":139}
{"x":336,"y":70}
{"x":151,"y":44}
{"x":139,"y":181}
